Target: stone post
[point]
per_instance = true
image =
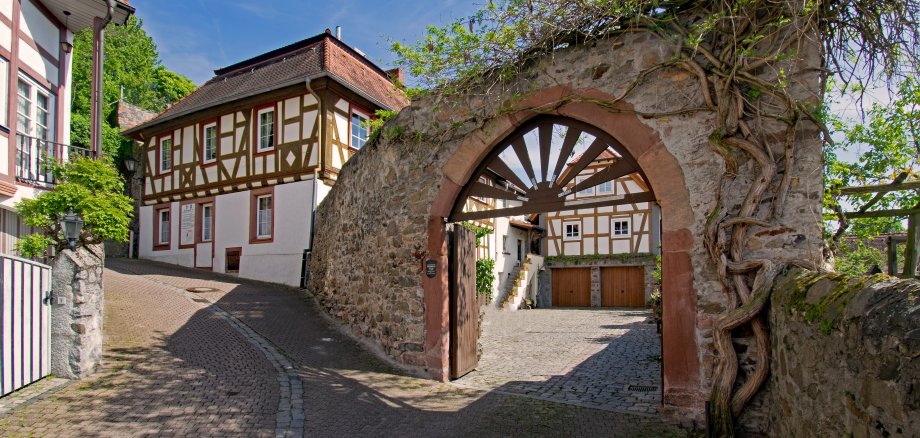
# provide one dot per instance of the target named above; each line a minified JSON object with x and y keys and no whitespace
{"x":76,"y":316}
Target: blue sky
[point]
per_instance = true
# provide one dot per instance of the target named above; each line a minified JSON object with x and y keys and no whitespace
{"x":195,"y":37}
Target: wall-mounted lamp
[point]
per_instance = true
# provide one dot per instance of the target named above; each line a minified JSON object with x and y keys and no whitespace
{"x":73,"y":225}
{"x":130,"y":164}
{"x":66,"y":46}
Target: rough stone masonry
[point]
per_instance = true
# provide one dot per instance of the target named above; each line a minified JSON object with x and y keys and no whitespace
{"x":385,"y":216}
{"x":77,"y":312}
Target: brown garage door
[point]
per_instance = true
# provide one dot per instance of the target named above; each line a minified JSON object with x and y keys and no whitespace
{"x":623,"y":286}
{"x":572,"y":287}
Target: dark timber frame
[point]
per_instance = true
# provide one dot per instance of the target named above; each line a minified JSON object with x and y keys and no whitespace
{"x":548,"y":191}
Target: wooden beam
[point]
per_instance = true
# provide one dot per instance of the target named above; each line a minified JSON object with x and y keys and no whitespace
{"x":544,"y":207}
{"x":902,"y":212}
{"x":881,"y":188}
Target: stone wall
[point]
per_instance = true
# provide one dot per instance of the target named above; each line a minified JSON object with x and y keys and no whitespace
{"x":385,"y":216}
{"x":846,"y":357}
{"x":77,"y":312}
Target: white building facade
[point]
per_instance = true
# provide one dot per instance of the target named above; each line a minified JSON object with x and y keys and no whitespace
{"x":234,"y":172}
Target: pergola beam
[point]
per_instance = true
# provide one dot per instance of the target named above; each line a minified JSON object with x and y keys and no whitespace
{"x":881,"y":188}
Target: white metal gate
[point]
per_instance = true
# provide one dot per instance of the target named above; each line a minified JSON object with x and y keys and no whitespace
{"x":25,"y":322}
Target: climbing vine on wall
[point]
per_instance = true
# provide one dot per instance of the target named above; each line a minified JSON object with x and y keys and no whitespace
{"x":750,"y":59}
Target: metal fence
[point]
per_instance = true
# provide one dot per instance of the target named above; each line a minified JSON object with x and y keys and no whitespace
{"x":34,"y":155}
{"x":25,"y":322}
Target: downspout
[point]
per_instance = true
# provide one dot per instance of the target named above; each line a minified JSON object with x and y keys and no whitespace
{"x":308,"y":252}
{"x":98,"y":60}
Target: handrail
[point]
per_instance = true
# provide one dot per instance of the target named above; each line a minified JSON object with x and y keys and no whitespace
{"x":32,"y":155}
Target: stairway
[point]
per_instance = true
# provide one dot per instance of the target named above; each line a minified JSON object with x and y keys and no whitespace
{"x":515,"y":290}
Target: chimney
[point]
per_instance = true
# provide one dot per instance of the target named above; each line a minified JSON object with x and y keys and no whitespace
{"x":338,"y":32}
{"x":397,"y":75}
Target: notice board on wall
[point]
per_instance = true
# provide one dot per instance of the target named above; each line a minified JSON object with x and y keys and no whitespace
{"x":187,"y":225}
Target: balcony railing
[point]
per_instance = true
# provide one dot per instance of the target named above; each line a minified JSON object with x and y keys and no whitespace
{"x":34,"y":156}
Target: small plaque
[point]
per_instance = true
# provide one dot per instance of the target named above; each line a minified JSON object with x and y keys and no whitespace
{"x":431,"y":268}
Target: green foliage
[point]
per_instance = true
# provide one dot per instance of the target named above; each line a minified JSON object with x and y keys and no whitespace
{"x":654,"y":302}
{"x":485,"y":277}
{"x":479,"y":231}
{"x":858,"y":258}
{"x":889,"y":139}
{"x":92,"y":188}
{"x":656,"y":273}
{"x":131,"y":62}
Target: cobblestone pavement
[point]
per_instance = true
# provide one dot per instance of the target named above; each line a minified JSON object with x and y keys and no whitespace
{"x":230,"y":361}
{"x":583,"y":356}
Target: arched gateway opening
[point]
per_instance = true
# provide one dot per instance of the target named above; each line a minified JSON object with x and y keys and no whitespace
{"x":567,"y":226}
{"x":535,"y":166}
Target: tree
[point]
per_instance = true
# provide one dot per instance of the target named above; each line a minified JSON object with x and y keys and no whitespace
{"x":745,"y":56}
{"x":133,"y":67}
{"x":890,"y":135}
{"x":93,"y":189}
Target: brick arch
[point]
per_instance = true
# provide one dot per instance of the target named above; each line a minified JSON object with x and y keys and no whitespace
{"x":681,"y":358}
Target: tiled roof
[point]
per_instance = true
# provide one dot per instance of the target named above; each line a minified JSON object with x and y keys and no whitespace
{"x":130,"y":116}
{"x":286,"y":66}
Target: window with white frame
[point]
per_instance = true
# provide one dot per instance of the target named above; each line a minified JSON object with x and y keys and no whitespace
{"x":572,"y":230}
{"x":207,"y":222}
{"x":605,"y":188}
{"x":4,"y":93}
{"x":585,"y":192}
{"x":166,"y":146}
{"x":358,"y":130}
{"x":35,"y":109}
{"x":619,"y":227}
{"x":209,"y":143}
{"x":163,"y":237}
{"x":264,"y":217}
{"x":266,"y":119}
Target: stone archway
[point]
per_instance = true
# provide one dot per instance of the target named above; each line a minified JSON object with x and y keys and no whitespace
{"x":385,"y":218}
{"x":679,"y":353}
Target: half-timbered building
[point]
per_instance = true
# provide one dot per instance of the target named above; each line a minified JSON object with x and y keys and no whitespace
{"x":234,"y":171}
{"x":36,"y":45}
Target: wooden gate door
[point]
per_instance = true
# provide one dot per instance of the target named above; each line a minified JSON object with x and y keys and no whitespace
{"x":464,"y":309}
{"x":623,"y":286}
{"x":572,"y":287}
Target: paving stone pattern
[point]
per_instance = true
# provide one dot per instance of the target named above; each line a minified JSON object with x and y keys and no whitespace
{"x":587,"y":357}
{"x":231,"y":362}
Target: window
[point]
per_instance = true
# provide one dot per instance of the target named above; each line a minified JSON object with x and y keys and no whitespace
{"x":166,"y":144}
{"x":505,"y":244}
{"x":163,"y":227}
{"x":605,"y":188}
{"x":207,"y":222}
{"x":4,"y":94}
{"x":358,"y":130}
{"x":572,"y":230}
{"x":266,"y":119}
{"x":264,"y":217}
{"x":34,"y":110}
{"x":586,"y":192}
{"x":209,"y":143}
{"x":620,"y":227}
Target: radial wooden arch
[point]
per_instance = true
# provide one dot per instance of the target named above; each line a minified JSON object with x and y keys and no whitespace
{"x":537,"y":164}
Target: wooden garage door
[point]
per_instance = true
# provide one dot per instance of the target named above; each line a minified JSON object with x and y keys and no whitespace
{"x":623,"y":286}
{"x":572,"y":287}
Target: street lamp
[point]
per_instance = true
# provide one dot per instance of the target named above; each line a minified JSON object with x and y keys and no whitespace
{"x":73,"y":225}
{"x":130,"y":164}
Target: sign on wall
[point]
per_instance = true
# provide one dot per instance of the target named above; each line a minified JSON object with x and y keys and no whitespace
{"x":187,"y":225}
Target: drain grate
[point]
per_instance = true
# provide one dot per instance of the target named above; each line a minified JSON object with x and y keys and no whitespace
{"x":641,"y":388}
{"x":199,"y":290}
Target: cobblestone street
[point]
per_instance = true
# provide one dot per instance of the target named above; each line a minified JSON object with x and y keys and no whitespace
{"x":243,"y":358}
{"x":602,"y":358}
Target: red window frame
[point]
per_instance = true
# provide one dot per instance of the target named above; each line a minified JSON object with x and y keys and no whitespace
{"x":203,"y":125}
{"x":254,"y":196}
{"x":172,"y":145}
{"x":256,"y":127}
{"x":157,"y":210}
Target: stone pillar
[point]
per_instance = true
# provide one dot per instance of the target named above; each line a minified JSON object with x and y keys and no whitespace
{"x":595,"y":286}
{"x":76,"y":316}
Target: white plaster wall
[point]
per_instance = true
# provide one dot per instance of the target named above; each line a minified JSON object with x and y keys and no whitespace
{"x":4,"y":154}
{"x":6,"y":8}
{"x":22,"y":192}
{"x":35,"y":61}
{"x":173,"y":255}
{"x":38,"y":27}
{"x":6,"y":36}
